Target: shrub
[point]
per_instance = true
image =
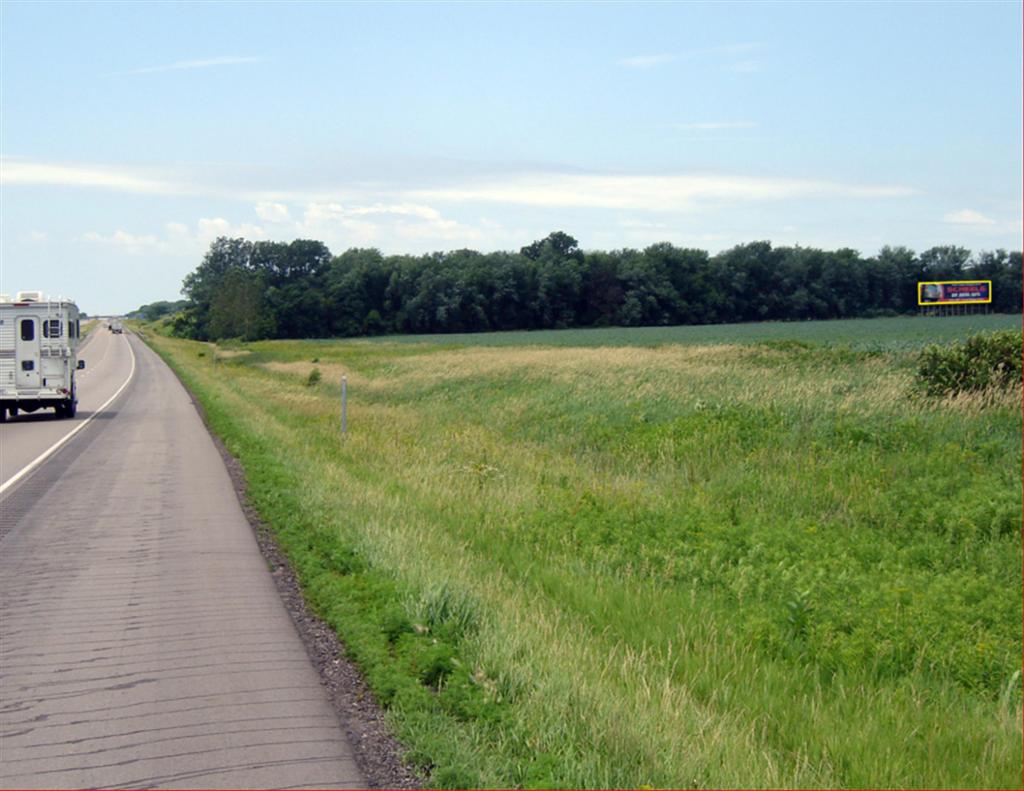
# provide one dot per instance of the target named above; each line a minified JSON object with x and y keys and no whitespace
{"x":313,"y":378}
{"x":982,"y":361}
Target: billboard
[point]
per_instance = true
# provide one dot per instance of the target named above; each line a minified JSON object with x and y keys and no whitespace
{"x":954,"y":292}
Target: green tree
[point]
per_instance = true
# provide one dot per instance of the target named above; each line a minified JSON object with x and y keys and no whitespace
{"x":945,"y":262}
{"x":904,"y":270}
{"x":1004,"y":270}
{"x":649,"y":297}
{"x":357,"y":282}
{"x":558,"y":261}
{"x":204,"y":284}
{"x":298,"y":290}
{"x":238,"y":309}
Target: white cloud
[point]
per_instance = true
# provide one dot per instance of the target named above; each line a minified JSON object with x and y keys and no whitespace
{"x":391,"y":214}
{"x":35,"y":237}
{"x":212,"y":227}
{"x":201,"y":63}
{"x":333,"y":222}
{"x":176,"y":229}
{"x":269,"y":211}
{"x":706,"y":126}
{"x":209,"y":228}
{"x":23,"y":172}
{"x":397,"y":226}
{"x":184,"y":181}
{"x":967,"y":217}
{"x":130,"y":243}
{"x":343,"y":225}
{"x":440,"y":229}
{"x":399,"y":209}
{"x":647,"y":192}
{"x":384,"y":203}
{"x":177,"y":239}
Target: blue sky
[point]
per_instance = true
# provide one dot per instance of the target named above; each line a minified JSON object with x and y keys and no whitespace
{"x":135,"y":133}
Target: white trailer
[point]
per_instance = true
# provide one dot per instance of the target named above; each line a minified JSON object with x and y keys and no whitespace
{"x":38,"y":345}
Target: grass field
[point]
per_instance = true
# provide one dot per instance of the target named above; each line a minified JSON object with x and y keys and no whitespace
{"x":686,"y":557}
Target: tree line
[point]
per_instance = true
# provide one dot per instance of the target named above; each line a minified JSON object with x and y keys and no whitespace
{"x":156,"y":310}
{"x":254,"y":290}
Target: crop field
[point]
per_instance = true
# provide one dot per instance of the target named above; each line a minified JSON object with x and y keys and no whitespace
{"x":899,"y":332}
{"x":682,"y":557}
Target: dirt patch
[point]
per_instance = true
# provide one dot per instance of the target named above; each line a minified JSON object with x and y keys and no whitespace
{"x":332,"y":372}
{"x":230,"y":354}
{"x":378,"y":753}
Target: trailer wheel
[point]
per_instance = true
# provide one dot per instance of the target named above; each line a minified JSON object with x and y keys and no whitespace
{"x":70,"y":408}
{"x":3,"y":414}
{"x":13,"y":410}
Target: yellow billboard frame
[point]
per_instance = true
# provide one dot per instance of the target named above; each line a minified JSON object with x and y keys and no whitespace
{"x":954,"y":301}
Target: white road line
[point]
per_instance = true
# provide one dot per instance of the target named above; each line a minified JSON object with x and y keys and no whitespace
{"x":103,"y":356}
{"x":63,"y":440}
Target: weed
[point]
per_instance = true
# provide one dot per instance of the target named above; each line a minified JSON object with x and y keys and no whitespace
{"x":991,"y":360}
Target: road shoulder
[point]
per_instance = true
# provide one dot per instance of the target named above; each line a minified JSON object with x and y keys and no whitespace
{"x":378,"y":754}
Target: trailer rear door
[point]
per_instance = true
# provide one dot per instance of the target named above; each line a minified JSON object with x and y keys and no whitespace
{"x":26,"y":351}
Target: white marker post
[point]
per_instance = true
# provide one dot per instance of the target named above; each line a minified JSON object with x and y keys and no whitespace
{"x":344,"y":405}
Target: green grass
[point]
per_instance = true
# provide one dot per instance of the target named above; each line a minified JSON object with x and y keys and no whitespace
{"x":756,"y":561}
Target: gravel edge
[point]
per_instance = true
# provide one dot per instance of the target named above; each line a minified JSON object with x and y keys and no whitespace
{"x":378,"y":754}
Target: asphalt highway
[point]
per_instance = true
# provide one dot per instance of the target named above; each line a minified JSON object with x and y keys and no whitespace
{"x":142,"y":639}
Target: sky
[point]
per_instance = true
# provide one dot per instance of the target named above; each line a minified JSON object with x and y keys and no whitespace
{"x":133,"y":134}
